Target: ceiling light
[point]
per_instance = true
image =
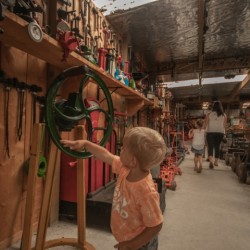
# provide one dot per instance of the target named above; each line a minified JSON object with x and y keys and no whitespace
{"x":205,"y":105}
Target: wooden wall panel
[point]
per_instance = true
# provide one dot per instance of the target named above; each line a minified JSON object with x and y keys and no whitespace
{"x":30,"y":70}
{"x":11,"y":174}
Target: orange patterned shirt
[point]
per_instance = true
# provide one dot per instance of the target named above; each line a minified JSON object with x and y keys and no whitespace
{"x":136,"y":205}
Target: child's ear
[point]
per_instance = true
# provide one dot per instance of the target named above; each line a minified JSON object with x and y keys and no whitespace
{"x":134,"y":161}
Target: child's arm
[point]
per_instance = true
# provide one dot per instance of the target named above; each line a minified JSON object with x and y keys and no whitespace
{"x":99,"y":152}
{"x":225,"y":121}
{"x":190,"y":133}
{"x":140,"y":240}
{"x":205,"y":122}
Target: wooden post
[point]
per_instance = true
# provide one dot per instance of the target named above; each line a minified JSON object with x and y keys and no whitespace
{"x":44,"y":213}
{"x":80,"y":242}
{"x":31,"y":186}
{"x":81,"y":206}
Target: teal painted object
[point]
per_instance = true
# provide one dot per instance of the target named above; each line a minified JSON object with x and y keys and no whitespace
{"x":63,"y":115}
{"x":42,"y":161}
{"x":42,"y":167}
{"x":117,"y":74}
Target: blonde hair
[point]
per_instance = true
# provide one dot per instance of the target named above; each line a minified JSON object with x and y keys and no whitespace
{"x":199,"y":123}
{"x":147,"y":145}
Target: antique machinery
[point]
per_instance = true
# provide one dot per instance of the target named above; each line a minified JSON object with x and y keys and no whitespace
{"x":63,"y":115}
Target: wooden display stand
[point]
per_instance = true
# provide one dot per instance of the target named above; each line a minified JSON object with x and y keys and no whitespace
{"x":41,"y":243}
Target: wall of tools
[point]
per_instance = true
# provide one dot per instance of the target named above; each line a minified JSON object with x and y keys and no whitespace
{"x":22,"y":92}
{"x":79,"y":27}
{"x":24,"y":80}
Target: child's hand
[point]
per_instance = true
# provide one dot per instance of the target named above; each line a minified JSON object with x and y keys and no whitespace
{"x":122,"y":246}
{"x":73,"y":145}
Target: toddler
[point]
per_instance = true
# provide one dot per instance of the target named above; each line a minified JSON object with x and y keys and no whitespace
{"x":136,"y":217}
{"x":198,"y":144}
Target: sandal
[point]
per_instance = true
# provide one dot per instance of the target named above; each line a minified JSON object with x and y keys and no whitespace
{"x":211,"y":166}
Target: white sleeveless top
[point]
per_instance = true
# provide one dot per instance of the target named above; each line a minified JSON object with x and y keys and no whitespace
{"x":215,"y":123}
{"x":198,"y":139}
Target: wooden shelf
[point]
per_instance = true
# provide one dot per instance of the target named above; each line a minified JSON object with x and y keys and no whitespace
{"x":16,"y":35}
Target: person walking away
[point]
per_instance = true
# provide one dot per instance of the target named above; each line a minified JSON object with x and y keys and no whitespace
{"x":136,"y":217}
{"x":198,"y":144}
{"x":215,"y":124}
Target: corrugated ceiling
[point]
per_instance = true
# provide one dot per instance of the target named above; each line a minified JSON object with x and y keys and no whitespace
{"x":185,"y":39}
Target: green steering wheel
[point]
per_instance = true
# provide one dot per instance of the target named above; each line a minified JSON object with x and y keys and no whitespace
{"x":64,"y":115}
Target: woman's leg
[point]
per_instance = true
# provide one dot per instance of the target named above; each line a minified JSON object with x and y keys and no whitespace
{"x":210,"y":144}
{"x":217,"y":141}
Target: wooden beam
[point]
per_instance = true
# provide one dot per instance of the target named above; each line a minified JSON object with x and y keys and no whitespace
{"x":45,"y":208}
{"x":201,"y":99}
{"x":235,"y":92}
{"x":201,"y":24}
{"x":192,"y":66}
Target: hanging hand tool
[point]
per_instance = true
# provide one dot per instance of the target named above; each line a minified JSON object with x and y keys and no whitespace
{"x":74,"y":24}
{"x":41,"y":102}
{"x":28,"y":11}
{"x":1,"y":11}
{"x":34,"y":89}
{"x":95,"y":13}
{"x":8,"y":83}
{"x":25,"y":8}
{"x":66,"y":2}
{"x":45,"y":27}
{"x":88,"y":24}
{"x":63,"y":14}
{"x":2,"y":8}
{"x":8,"y":4}
{"x":21,"y":93}
{"x":82,"y":5}
{"x":85,"y":22}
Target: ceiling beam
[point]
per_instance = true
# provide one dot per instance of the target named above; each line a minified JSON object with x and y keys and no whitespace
{"x":199,"y":99}
{"x":208,"y":65}
{"x":201,"y":29}
{"x":236,"y":91}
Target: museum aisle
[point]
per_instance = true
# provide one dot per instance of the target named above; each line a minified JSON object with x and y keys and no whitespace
{"x":208,"y":211}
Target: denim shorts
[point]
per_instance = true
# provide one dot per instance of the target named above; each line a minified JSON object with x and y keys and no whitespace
{"x":151,"y":245}
{"x":197,"y":151}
